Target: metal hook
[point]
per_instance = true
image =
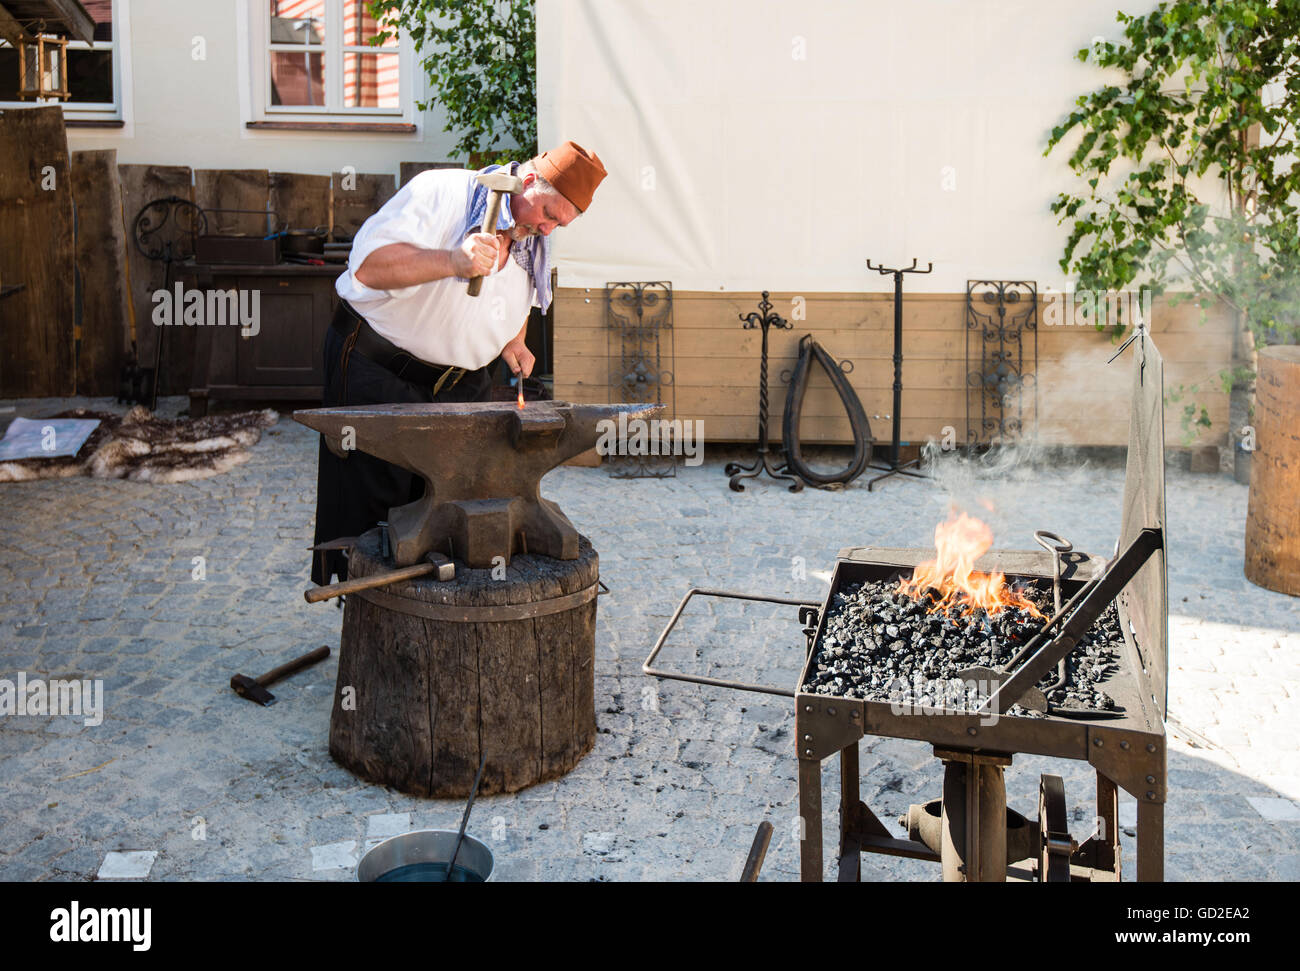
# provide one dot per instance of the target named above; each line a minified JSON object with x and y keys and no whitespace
{"x":1056,"y":546}
{"x":1138,"y":331}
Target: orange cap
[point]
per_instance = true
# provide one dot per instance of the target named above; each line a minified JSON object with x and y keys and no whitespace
{"x":573,"y":171}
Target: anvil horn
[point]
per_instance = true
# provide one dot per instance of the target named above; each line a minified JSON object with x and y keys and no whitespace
{"x":585,"y":427}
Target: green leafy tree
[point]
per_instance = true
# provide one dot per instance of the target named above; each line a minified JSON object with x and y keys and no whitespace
{"x":1190,"y":161}
{"x":481,"y":60}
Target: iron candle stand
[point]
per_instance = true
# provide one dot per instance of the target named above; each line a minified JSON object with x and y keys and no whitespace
{"x":896,"y":466}
{"x":765,"y":319}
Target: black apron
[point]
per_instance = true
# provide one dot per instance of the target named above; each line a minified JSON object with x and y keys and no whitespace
{"x":354,"y":494}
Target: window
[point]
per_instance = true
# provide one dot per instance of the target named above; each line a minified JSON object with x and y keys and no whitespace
{"x":314,"y":58}
{"x":94,"y":77}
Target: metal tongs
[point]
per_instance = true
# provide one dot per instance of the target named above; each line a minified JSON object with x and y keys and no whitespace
{"x":1017,"y":680}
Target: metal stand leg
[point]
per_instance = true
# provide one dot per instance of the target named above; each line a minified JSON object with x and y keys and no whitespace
{"x":899,"y":470}
{"x":1108,"y":838}
{"x":850,"y":868}
{"x":1150,"y":841}
{"x":810,"y":813}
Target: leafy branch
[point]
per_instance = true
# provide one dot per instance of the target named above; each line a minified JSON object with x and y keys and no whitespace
{"x":1189,"y":161}
{"x":480,"y":58}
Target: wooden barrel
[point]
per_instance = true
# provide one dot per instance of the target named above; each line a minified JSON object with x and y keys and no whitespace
{"x":432,"y":674}
{"x":1273,"y":518}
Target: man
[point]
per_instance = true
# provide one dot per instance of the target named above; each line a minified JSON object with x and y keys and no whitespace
{"x":406,"y":330}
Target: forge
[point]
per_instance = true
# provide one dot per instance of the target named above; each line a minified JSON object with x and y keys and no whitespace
{"x":1059,"y":653}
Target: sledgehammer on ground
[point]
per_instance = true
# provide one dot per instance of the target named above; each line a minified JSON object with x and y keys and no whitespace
{"x":254,"y":689}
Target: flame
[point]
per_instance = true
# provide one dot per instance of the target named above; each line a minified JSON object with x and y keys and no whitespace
{"x":520,"y":401}
{"x":952,"y":576}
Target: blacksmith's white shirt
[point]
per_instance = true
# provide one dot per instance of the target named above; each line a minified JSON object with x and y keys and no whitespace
{"x":438,"y":322}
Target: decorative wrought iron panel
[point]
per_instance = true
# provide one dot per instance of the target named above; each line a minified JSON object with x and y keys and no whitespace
{"x":1001,"y":361}
{"x":641,"y":360}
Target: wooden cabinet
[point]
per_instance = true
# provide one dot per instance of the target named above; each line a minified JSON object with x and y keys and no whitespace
{"x":278,"y":358}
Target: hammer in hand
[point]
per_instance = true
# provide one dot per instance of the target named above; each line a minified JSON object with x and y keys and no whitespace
{"x":254,"y":689}
{"x":497,"y":183}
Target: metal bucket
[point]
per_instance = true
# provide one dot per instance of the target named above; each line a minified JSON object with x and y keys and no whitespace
{"x":422,"y":857}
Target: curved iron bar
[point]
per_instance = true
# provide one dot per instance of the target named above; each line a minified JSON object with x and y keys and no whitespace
{"x":167,"y":229}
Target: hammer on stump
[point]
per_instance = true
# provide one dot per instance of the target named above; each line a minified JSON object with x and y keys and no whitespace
{"x":440,"y":566}
{"x":497,"y":183}
{"x":254,"y":689}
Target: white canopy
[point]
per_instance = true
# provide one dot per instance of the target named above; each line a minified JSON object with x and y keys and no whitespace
{"x":769,"y":144}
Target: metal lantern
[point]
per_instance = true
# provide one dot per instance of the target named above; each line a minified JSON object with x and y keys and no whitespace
{"x":43,"y":67}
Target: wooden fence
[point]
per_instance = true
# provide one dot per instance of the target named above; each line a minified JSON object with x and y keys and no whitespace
{"x":1080,"y":401}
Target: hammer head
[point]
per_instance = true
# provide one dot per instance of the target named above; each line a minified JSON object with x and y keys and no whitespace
{"x":500,"y":181}
{"x":251,"y":689}
{"x":446,"y":569}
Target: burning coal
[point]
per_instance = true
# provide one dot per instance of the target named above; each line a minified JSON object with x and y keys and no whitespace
{"x":907,"y":641}
{"x":882,"y":645}
{"x":951,"y":582}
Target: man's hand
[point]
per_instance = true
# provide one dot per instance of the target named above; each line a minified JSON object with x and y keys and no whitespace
{"x":477,"y":256}
{"x":518,"y":357}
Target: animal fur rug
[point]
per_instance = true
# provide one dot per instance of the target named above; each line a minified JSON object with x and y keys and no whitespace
{"x":143,"y":448}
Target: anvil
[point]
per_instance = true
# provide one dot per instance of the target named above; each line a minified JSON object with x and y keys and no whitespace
{"x":482,"y":465}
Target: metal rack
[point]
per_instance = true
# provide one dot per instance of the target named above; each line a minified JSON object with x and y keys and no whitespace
{"x":1001,"y":360}
{"x":639,"y":317}
{"x":765,"y":318}
{"x":895,"y":465}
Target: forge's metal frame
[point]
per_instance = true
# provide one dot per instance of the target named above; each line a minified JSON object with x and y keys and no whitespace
{"x":1128,"y":752}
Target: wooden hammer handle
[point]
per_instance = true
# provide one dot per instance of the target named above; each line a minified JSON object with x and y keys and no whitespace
{"x":297,"y":664}
{"x":489,"y":226}
{"x":332,"y":590}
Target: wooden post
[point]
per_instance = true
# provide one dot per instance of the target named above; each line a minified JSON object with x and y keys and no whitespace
{"x":36,"y":254}
{"x":300,"y":201}
{"x":356,"y":197}
{"x":101,"y":261}
{"x":1273,"y":516}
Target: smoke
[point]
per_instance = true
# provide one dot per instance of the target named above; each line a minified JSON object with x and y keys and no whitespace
{"x":1006,"y":485}
{"x":1019,"y":485}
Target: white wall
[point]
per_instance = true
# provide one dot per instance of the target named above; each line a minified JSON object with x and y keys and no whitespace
{"x":908,"y":129}
{"x":179,"y":111}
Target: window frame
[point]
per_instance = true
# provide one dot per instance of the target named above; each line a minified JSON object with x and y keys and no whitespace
{"x":332,"y":51}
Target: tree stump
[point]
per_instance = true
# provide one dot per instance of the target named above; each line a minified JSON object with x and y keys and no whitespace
{"x":1273,"y":517}
{"x":432,"y":674}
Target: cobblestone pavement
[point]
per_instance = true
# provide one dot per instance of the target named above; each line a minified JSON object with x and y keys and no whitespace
{"x":96,"y":581}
